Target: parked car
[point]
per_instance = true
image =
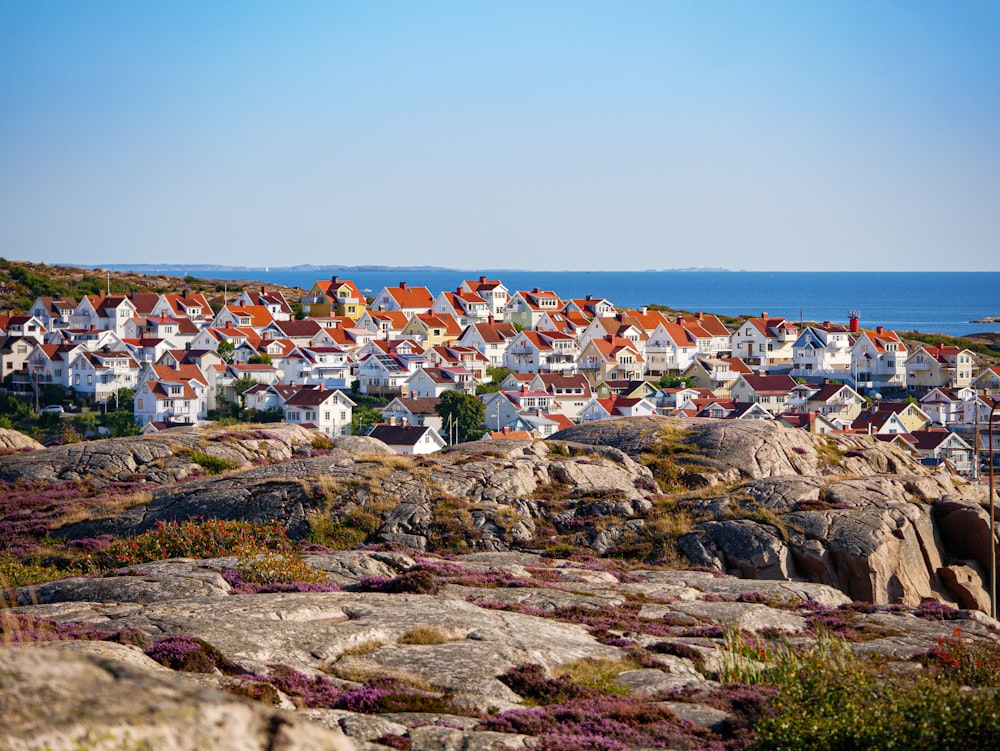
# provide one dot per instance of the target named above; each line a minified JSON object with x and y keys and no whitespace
{"x":56,"y":408}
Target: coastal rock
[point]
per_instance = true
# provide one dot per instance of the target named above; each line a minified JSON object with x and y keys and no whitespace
{"x":13,"y":441}
{"x":49,"y":703}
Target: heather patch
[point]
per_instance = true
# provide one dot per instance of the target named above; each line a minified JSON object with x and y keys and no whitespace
{"x":599,"y":723}
{"x":31,"y":509}
{"x":191,"y":655}
{"x":377,"y":695}
{"x":18,"y":627}
{"x":600,"y":621}
{"x":210,"y":538}
{"x":241,"y":586}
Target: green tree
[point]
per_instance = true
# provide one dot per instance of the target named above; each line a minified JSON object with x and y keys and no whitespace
{"x":120,"y":423}
{"x":242,"y":385}
{"x":125,"y":401}
{"x":225,"y":350}
{"x":496,"y":375}
{"x":264,"y":359}
{"x":671,"y":382}
{"x":465,"y":410}
{"x":362,"y":419}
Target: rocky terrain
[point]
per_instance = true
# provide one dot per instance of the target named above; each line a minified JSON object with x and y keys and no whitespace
{"x":647,"y":560}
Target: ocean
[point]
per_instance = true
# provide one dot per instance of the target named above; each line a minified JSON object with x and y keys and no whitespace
{"x":941,"y":302}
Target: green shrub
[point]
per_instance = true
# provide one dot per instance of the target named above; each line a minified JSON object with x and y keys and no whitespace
{"x":333,"y":534}
{"x":829,"y":699}
{"x":213,"y":464}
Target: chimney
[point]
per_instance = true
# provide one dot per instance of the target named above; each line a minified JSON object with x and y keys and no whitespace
{"x":644,"y":309}
{"x":764,"y":315}
{"x":334,"y":279}
{"x":402,"y":285}
{"x":698,"y":315}
{"x":524,"y":388}
{"x":263,"y":290}
{"x":879,"y":330}
{"x":458,"y":290}
{"x":482,"y":280}
{"x":854,"y":317}
{"x":490,"y":319}
{"x":826,"y":324}
{"x":536,"y":289}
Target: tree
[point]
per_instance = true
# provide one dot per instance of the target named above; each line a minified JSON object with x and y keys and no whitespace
{"x":671,"y":382}
{"x":465,"y":410}
{"x":362,"y":419}
{"x":225,"y":351}
{"x":264,"y":359}
{"x":496,"y":374}
{"x":120,"y":423}
{"x":125,"y":401}
{"x":242,"y":385}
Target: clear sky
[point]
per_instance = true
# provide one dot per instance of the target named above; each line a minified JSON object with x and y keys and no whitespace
{"x":542,"y":134}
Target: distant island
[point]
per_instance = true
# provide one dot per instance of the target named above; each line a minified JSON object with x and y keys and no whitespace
{"x":175,"y":269}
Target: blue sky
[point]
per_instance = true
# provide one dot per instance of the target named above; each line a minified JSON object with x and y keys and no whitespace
{"x":539,"y":135}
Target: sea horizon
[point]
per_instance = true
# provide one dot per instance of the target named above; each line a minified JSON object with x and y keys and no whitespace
{"x":945,"y":302}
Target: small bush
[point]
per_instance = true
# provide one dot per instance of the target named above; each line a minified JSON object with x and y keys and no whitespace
{"x":212,"y":464}
{"x":415,"y":581}
{"x":334,"y":535}
{"x":277,"y":568}
{"x":424,"y":635}
{"x":964,"y":661}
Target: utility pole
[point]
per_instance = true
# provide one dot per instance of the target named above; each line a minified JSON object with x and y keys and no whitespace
{"x":993,"y":522}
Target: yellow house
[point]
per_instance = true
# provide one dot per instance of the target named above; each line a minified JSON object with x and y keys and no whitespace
{"x":334,"y":297}
{"x":432,"y":329}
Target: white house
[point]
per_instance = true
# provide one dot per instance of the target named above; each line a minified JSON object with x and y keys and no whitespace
{"x":409,"y":439}
{"x":325,"y":410}
{"x":822,"y":352}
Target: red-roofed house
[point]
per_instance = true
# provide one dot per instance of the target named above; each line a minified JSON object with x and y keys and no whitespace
{"x":170,"y":395}
{"x":765,"y":343}
{"x":930,"y":366}
{"x":404,"y":298}
{"x":538,"y":351}
{"x":491,"y":290}
{"x":325,"y":410}
{"x":771,"y":392}
{"x":334,"y":297}
{"x":467,"y":307}
{"x":718,"y":374}
{"x":937,"y":446}
{"x":526,"y":307}
{"x":490,"y":338}
{"x":611,"y":358}
{"x":878,"y":361}
{"x":271,"y":299}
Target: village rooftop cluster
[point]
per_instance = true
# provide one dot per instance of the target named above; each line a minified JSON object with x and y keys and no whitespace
{"x":570,"y":361}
